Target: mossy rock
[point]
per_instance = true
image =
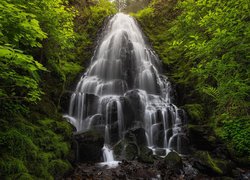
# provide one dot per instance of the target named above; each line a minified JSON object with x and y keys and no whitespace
{"x":118,"y":150}
{"x":208,"y":165}
{"x":145,"y":155}
{"x":173,"y":161}
{"x":131,"y":151}
{"x":126,"y":150}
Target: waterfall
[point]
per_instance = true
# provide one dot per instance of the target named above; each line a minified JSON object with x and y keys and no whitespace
{"x":123,"y":88}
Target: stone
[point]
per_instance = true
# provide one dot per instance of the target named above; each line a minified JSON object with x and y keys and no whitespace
{"x":173,"y":161}
{"x":131,"y":151}
{"x":91,"y":102}
{"x":145,"y":155}
{"x":137,"y":135}
{"x":126,"y":150}
{"x":89,"y":146}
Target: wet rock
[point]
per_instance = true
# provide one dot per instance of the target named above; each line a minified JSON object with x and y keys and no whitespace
{"x":173,"y":161}
{"x":137,"y":135}
{"x":145,"y":155}
{"x":91,"y":102}
{"x":126,"y":150}
{"x":89,"y":146}
{"x":160,"y":152}
{"x":136,"y":105}
{"x":118,"y":150}
{"x":131,"y":151}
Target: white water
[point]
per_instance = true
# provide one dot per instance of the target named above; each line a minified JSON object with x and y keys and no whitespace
{"x":124,"y":89}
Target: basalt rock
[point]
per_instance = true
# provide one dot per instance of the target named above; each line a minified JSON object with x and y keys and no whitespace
{"x":126,"y":150}
{"x":88,"y":146}
{"x":145,"y":155}
{"x":173,"y":161}
{"x":137,"y":136}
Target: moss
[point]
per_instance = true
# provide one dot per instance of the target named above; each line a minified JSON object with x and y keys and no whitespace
{"x":131,"y":151}
{"x":173,"y":161}
{"x":118,"y":149}
{"x":145,"y":155}
{"x":29,"y":148}
{"x":58,"y":167}
{"x":128,"y":150}
{"x":10,"y":165}
{"x":17,"y":144}
{"x":208,"y":161}
{"x":22,"y":176}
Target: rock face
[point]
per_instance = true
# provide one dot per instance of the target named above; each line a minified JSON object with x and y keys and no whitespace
{"x":88,"y":146}
{"x":134,"y":146}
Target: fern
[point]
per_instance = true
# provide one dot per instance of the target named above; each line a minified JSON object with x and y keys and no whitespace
{"x":212,"y":92}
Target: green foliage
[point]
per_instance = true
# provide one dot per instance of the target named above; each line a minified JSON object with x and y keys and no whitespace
{"x":235,"y":131}
{"x":19,"y":75}
{"x":19,"y":71}
{"x":135,"y":5}
{"x":195,"y":112}
{"x":145,"y":13}
{"x":92,"y":16}
{"x":39,"y":56}
{"x":33,"y":149}
{"x":205,"y":47}
{"x":19,"y":27}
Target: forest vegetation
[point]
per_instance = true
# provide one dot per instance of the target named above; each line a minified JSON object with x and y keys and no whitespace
{"x":205,"y":48}
{"x":43,"y":46}
{"x":46,"y":44}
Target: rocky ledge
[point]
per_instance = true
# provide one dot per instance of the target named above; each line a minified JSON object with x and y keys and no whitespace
{"x":172,"y":167}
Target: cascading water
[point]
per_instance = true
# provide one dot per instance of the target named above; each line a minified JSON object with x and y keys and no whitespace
{"x":123,"y":89}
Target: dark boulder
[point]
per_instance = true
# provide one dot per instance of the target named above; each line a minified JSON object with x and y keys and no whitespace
{"x":126,"y":150}
{"x":91,"y":102}
{"x":173,"y":161}
{"x":145,"y":155}
{"x":89,"y":146}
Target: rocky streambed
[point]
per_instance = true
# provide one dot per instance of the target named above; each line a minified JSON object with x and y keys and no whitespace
{"x":160,"y":169}
{"x":136,"y":161}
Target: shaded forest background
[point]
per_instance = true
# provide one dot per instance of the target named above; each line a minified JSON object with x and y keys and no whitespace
{"x":46,"y":44}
